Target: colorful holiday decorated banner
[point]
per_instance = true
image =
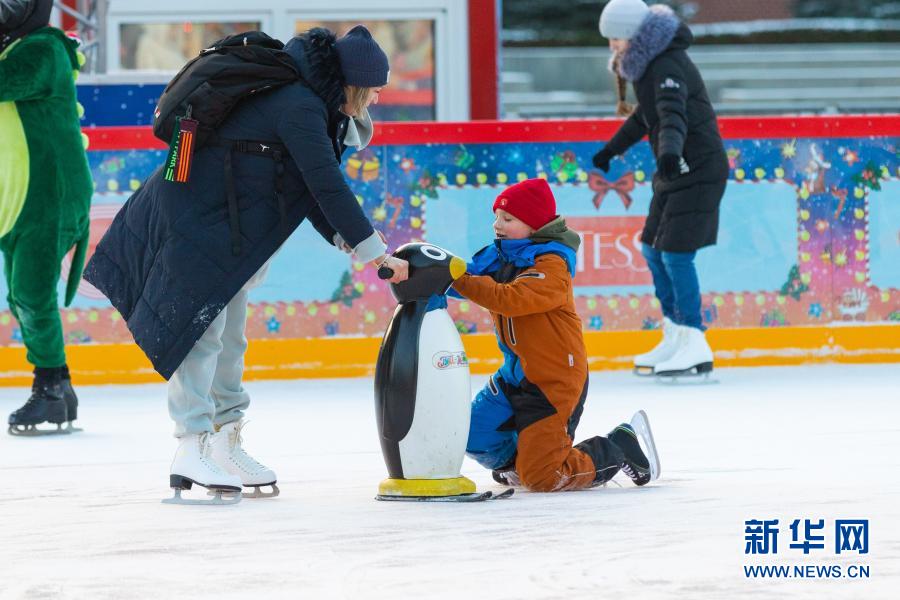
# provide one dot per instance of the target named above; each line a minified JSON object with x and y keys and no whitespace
{"x":809,"y":234}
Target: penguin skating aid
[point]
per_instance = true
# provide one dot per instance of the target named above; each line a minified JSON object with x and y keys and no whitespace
{"x":422,"y":386}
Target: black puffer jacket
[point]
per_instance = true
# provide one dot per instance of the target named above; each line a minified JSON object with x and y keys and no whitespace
{"x":167,"y":262}
{"x":674,"y":108}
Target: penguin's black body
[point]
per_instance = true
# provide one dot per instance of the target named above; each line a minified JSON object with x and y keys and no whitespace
{"x":422,"y":389}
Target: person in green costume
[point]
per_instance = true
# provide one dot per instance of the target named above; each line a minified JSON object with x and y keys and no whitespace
{"x":45,"y":196}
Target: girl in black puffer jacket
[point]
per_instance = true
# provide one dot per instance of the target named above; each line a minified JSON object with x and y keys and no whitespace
{"x":649,"y":49}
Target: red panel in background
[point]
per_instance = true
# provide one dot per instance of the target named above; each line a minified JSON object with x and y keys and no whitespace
{"x":580,"y":130}
{"x":69,"y":23}
{"x":406,"y":97}
{"x":483,"y":68}
{"x":609,"y":252}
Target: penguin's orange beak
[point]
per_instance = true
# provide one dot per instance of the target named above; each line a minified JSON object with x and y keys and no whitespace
{"x":457,"y":267}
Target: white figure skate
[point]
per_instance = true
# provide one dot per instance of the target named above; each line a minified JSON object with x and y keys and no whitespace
{"x":228,"y":453}
{"x":192,"y":464}
{"x":693,"y":357}
{"x":645,"y":364}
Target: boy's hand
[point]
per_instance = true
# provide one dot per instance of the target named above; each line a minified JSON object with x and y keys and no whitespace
{"x":602,"y":158}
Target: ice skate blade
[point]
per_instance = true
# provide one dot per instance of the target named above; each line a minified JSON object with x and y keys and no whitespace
{"x":473,"y":497}
{"x":256,"y":493}
{"x":643,"y":371}
{"x":33,"y":431}
{"x":259,"y":493}
{"x":699,"y":373}
{"x":220,"y":498}
{"x":221,"y":495}
{"x":641,"y":425}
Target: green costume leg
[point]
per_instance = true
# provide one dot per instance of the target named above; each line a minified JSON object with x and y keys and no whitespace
{"x":32,"y":268}
{"x":7,"y":272}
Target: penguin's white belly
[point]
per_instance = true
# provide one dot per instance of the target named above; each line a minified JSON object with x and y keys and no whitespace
{"x":436,"y":442}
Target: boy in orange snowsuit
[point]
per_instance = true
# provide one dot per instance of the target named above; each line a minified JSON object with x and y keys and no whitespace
{"x":524,"y":420}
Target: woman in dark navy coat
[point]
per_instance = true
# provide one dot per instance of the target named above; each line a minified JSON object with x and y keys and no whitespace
{"x":179,"y":259}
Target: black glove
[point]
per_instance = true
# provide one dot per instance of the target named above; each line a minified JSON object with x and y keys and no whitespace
{"x":602,"y":158}
{"x":669,"y":166}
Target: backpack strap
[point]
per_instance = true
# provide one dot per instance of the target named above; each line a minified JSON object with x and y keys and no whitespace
{"x":234,"y":217}
{"x":274,"y":150}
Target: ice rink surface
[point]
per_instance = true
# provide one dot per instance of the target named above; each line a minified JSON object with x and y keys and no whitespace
{"x":81,"y":517}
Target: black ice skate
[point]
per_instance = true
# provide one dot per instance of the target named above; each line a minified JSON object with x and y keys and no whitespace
{"x":47,"y":404}
{"x":506,"y":475}
{"x":510,"y":478}
{"x":71,"y":400}
{"x":641,"y":467}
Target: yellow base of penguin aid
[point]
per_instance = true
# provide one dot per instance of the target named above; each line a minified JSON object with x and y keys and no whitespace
{"x":421,"y":488}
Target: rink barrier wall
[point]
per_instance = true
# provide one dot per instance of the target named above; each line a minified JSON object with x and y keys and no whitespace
{"x":355,"y":357}
{"x":805,"y":269}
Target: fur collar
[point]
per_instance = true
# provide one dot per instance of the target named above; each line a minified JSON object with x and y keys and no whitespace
{"x":317,"y":61}
{"x":653,"y":37}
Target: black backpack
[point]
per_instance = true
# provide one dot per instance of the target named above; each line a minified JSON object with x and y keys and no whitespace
{"x":209,"y":87}
{"x":203,"y":94}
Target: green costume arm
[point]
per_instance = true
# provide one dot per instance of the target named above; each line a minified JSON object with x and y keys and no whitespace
{"x":77,"y":266}
{"x":26,"y":77}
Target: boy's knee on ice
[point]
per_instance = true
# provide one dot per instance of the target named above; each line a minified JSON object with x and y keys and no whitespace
{"x":541,"y":483}
{"x":575,"y":471}
{"x":546,"y":469}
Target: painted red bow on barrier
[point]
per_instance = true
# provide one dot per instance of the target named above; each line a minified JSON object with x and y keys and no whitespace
{"x":395,"y":202}
{"x":621,"y":186}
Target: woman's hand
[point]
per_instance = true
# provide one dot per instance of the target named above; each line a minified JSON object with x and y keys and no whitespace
{"x":669,"y":166}
{"x":399,"y":266}
{"x":341,"y":245}
{"x":602,"y":158}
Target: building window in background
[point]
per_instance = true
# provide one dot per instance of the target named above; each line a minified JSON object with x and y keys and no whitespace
{"x":409,"y":44}
{"x":167,"y":46}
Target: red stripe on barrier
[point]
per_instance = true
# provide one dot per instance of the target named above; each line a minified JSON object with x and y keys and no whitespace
{"x":576,"y":130}
{"x":123,"y":138}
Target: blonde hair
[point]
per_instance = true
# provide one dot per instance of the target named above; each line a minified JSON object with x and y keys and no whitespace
{"x":357,"y":97}
{"x":623,"y":108}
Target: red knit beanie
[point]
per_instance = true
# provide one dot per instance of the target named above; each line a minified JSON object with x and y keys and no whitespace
{"x":530,"y":201}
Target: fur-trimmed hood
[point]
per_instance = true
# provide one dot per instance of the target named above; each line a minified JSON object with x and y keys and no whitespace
{"x":660,"y":31}
{"x":317,"y":61}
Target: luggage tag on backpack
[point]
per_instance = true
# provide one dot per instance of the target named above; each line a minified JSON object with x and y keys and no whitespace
{"x":181,"y":149}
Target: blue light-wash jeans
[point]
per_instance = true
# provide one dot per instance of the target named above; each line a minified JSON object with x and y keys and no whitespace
{"x":676,"y":283}
{"x":206,"y":390}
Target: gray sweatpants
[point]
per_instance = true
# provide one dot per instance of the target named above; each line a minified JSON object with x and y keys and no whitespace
{"x":206,"y":389}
